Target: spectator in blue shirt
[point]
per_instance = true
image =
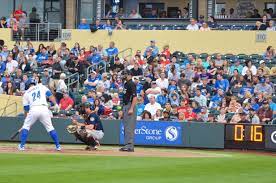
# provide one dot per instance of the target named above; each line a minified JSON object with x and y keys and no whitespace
{"x":246,"y":88}
{"x":112,"y":50}
{"x":254,"y":105}
{"x":140,"y":106}
{"x":139,"y":86}
{"x":96,"y":26}
{"x":91,"y":95}
{"x":173,"y":62}
{"x":94,"y":57}
{"x":5,"y":52}
{"x":107,"y":26}
{"x":92,"y":81}
{"x":222,"y":83}
{"x":236,"y":66}
{"x":2,"y":65}
{"x":76,"y":49}
{"x":172,"y":87}
{"x":153,"y":48}
{"x":162,"y":99}
{"x":187,"y":61}
{"x":42,"y":56}
{"x":216,"y":99}
{"x":83,"y":24}
{"x":272,"y":106}
{"x":174,"y":98}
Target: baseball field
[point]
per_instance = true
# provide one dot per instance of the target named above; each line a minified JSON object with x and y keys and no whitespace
{"x":40,"y":163}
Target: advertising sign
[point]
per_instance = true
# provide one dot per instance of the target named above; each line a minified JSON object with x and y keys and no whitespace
{"x":155,"y":133}
{"x":270,"y":139}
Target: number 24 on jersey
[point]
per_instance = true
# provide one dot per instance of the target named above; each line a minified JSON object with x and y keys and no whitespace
{"x":36,"y":95}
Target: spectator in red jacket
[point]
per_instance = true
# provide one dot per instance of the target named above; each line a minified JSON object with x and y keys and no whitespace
{"x":166,"y":52}
{"x":18,"y":13}
{"x":190,"y":115}
{"x":66,"y":103}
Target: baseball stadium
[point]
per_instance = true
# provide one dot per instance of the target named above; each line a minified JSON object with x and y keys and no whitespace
{"x":128,"y":91}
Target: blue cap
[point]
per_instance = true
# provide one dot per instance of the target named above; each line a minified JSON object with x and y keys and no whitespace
{"x":262,"y":80}
{"x":33,"y":81}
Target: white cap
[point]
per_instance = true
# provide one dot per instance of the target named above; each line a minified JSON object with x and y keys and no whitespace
{"x":94,"y":72}
{"x":262,"y":61}
{"x":62,"y":76}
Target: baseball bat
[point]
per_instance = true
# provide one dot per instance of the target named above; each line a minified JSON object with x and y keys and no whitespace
{"x":15,"y":134}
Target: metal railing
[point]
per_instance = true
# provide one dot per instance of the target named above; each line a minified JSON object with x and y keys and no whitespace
{"x":38,"y":32}
{"x":4,"y":113}
{"x":126,"y":53}
{"x":72,"y":80}
{"x":96,"y":67}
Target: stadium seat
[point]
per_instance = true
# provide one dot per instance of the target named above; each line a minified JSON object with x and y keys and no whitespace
{"x":237,"y":27}
{"x":178,"y":54}
{"x":179,"y":27}
{"x":167,"y":27}
{"x":229,"y":57}
{"x":274,"y":99}
{"x":214,"y":55}
{"x":248,"y":27}
{"x":270,"y":64}
{"x":228,"y":116}
{"x":213,"y":111}
{"x":143,"y":27}
{"x":81,"y":91}
{"x":194,"y":55}
{"x":203,"y":56}
{"x":155,"y":27}
{"x":30,"y":73}
{"x":242,"y":57}
{"x":70,"y":112}
{"x":77,"y":98}
{"x":255,"y":57}
{"x":225,"y":27}
{"x":132,"y":27}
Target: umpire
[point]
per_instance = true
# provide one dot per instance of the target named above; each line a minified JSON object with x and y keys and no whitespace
{"x":129,"y":112}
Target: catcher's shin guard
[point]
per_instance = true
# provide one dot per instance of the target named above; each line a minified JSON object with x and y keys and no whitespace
{"x":90,"y":141}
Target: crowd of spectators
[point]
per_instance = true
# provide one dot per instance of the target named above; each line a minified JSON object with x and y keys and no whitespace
{"x":195,"y":25}
{"x":19,"y":19}
{"x":154,"y":13}
{"x":184,"y":13}
{"x":209,"y":89}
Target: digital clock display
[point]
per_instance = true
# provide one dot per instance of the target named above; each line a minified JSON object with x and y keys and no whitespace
{"x":244,"y":136}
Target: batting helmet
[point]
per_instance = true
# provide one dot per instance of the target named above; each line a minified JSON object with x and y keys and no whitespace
{"x":31,"y":82}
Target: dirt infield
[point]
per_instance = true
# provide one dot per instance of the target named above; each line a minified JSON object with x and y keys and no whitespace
{"x":109,"y":151}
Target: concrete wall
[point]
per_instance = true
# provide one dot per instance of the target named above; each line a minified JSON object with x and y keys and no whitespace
{"x":211,"y":42}
{"x":7,"y":108}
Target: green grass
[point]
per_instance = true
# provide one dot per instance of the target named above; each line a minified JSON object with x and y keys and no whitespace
{"x":58,"y":168}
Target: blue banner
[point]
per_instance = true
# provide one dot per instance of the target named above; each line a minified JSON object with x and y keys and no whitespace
{"x":155,"y":133}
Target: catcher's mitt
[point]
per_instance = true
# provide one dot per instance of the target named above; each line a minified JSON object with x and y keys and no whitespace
{"x":72,"y":128}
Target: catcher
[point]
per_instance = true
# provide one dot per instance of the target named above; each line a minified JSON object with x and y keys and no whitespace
{"x":89,"y":132}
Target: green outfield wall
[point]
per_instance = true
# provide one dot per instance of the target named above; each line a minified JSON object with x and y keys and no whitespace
{"x":159,"y":133}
